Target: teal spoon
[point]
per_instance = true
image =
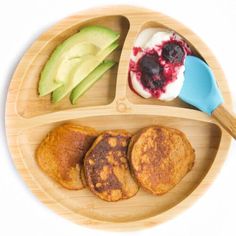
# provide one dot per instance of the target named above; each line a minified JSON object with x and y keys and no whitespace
{"x":200,"y":90}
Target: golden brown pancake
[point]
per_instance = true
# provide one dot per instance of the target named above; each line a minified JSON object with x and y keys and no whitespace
{"x":160,"y":157}
{"x":106,"y":167}
{"x":61,"y":153}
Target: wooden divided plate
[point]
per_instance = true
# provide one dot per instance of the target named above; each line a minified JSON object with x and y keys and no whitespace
{"x":110,"y":104}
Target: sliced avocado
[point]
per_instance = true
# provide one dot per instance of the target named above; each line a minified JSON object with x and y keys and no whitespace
{"x":49,"y":80}
{"x":78,"y":52}
{"x":81,"y":72}
{"x":66,"y":67}
{"x":95,"y":75}
{"x":99,"y":36}
{"x":46,"y":82}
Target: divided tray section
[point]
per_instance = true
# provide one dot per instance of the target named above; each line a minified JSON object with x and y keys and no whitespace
{"x":136,"y":99}
{"x":110,"y":104}
{"x":205,"y":138}
{"x":197,"y":47}
{"x":29,"y":104}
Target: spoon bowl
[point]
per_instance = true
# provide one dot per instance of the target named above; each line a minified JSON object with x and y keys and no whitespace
{"x":201,"y":90}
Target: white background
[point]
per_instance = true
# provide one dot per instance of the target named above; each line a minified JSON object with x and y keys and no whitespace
{"x":21,"y":22}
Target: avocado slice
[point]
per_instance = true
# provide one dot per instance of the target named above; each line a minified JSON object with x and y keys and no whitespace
{"x":66,"y":67}
{"x":81,"y":72}
{"x":73,"y":56}
{"x":49,"y":80}
{"x":95,"y":75}
{"x":98,"y":36}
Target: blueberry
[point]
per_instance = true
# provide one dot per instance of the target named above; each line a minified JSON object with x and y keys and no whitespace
{"x":173,"y":52}
{"x":147,"y":81}
{"x":151,"y":82}
{"x":149,"y":65}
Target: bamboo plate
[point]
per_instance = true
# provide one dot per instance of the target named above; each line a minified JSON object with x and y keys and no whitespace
{"x":109,"y":105}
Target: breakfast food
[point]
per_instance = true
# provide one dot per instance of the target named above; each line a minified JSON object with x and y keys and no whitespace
{"x":60,"y":155}
{"x":160,"y":157}
{"x":74,"y":59}
{"x":109,"y":164}
{"x":106,"y":167}
{"x":157,"y":64}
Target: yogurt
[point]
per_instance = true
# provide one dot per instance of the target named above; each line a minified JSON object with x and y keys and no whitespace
{"x":157,"y":64}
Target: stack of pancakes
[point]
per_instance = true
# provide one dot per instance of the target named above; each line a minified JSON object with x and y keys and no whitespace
{"x":113,"y":164}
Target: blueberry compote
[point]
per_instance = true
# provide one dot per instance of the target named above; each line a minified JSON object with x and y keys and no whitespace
{"x":157,"y":67}
{"x":173,"y":52}
{"x":151,"y":69}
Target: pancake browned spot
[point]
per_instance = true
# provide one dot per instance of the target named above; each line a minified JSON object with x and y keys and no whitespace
{"x":160,"y":157}
{"x":61,"y":153}
{"x":106,"y":167}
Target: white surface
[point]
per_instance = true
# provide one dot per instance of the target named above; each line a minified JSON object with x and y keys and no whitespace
{"x":21,"y":22}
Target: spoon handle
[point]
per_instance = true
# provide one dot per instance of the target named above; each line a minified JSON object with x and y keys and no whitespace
{"x":226,"y":119}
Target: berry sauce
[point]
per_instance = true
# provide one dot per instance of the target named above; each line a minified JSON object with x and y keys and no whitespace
{"x":159,"y":66}
{"x":136,"y":50}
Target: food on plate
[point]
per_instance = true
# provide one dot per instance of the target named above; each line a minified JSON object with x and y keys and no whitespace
{"x":95,"y":75}
{"x":160,"y":157}
{"x":157,"y":64}
{"x":81,"y":71}
{"x":60,"y":155}
{"x":113,"y":164}
{"x":74,"y":59}
{"x":106,"y":167}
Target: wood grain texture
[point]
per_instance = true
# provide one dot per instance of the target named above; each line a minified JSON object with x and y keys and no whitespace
{"x":226,"y":119}
{"x":110,"y":105}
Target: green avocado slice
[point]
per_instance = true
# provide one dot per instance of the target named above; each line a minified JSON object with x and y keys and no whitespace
{"x":89,"y":40}
{"x":63,"y":71}
{"x":81,"y":72}
{"x":72,"y":56}
{"x":94,"y":76}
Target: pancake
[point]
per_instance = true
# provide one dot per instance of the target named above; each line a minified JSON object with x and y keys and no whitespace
{"x":61,"y":153}
{"x":106,"y":167}
{"x":160,"y":157}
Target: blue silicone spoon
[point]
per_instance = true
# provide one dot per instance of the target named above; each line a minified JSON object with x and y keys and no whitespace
{"x":200,"y":90}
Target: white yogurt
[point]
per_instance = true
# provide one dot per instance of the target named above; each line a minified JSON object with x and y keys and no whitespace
{"x":153,"y":38}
